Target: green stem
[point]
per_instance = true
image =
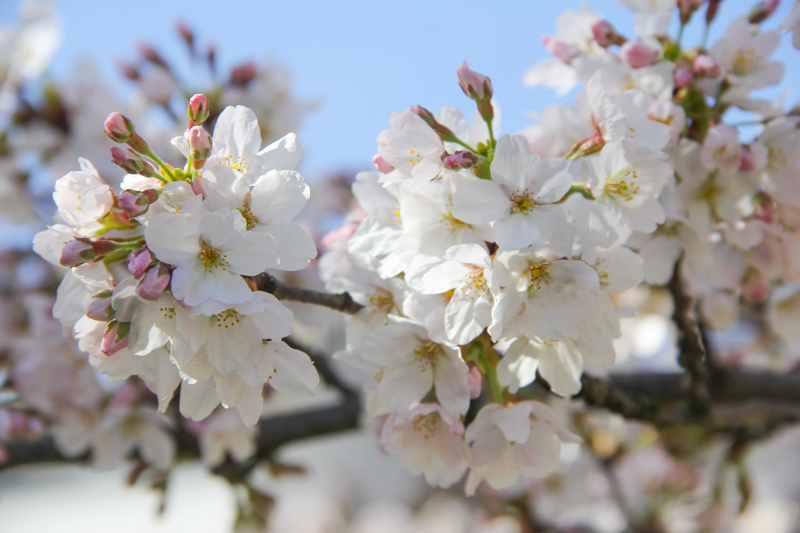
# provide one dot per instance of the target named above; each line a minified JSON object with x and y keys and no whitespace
{"x":680,"y":34}
{"x":492,"y":142}
{"x":160,"y":163}
{"x":579,"y":188}
{"x":465,"y":145}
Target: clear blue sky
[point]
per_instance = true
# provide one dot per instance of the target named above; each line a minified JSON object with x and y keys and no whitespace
{"x":361,"y":59}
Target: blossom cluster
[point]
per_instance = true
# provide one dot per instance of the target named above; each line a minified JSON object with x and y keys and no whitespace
{"x":155,"y":285}
{"x":482,"y":262}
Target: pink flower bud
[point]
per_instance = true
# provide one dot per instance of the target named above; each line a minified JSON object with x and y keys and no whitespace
{"x":475,"y":382}
{"x":748,"y":160}
{"x":706,"y":66}
{"x":763,"y":10}
{"x":441,"y":130}
{"x":136,"y":203}
{"x":139,"y":260}
{"x":457,"y":428}
{"x":764,"y":207}
{"x":687,"y":8}
{"x":460,"y":159}
{"x":711,"y":12}
{"x":475,"y":85}
{"x":243,"y":74}
{"x":381,"y":165}
{"x":119,"y":128}
{"x":200,"y":145}
{"x":150,"y":54}
{"x":154,"y":283}
{"x":755,"y":288}
{"x":187,"y":35}
{"x":129,"y":71}
{"x":98,"y":306}
{"x":197,"y":187}
{"x":605,"y":35}
{"x":637,"y":54}
{"x":563,"y":51}
{"x":683,"y":77}
{"x":76,"y":252}
{"x":115,"y":337}
{"x":198,"y":109}
{"x":126,"y":160}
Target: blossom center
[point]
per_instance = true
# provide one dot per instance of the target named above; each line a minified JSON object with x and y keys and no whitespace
{"x":249,"y":217}
{"x":381,"y":301}
{"x":623,"y":185}
{"x":236,"y":163}
{"x":427,"y":354}
{"x":228,"y":318}
{"x":538,"y":274}
{"x":474,"y":284}
{"x":452,"y":223}
{"x":212,"y":258}
{"x":425,"y":424}
{"x":414,"y":157}
{"x":522,"y":202}
{"x":745,"y":60}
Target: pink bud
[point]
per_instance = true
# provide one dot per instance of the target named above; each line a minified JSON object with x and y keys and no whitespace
{"x":200,"y":145}
{"x":136,"y":202}
{"x":76,"y":252}
{"x":198,"y":109}
{"x":243,"y":74}
{"x":441,"y":130}
{"x":683,"y":77}
{"x":706,"y":66}
{"x":755,"y":288}
{"x":129,"y":71}
{"x":139,"y":260}
{"x":127,"y":160}
{"x":98,"y":306}
{"x":687,"y":8}
{"x":475,"y":382}
{"x":637,"y":54}
{"x":604,"y":34}
{"x":763,"y":10}
{"x":154,"y":283}
{"x":197,"y":187}
{"x":115,"y":337}
{"x":460,"y":159}
{"x":711,"y":12}
{"x":19,"y":423}
{"x":764,"y":207}
{"x":475,"y":85}
{"x":748,"y":160}
{"x":150,"y":54}
{"x":563,"y":51}
{"x":187,"y":34}
{"x":119,"y":128}
{"x":381,"y":165}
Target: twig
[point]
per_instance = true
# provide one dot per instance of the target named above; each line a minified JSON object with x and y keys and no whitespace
{"x":283,"y":291}
{"x":600,"y":393}
{"x":692,"y":354}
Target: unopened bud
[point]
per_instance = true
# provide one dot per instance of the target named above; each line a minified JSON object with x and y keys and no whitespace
{"x":460,"y":159}
{"x":197,"y":187}
{"x":103,"y":247}
{"x":381,"y":165}
{"x":711,"y":12}
{"x":150,"y":54}
{"x":136,"y":203}
{"x":475,"y":85}
{"x":563,"y":51}
{"x":706,"y":66}
{"x":445,"y":134}
{"x":683,"y":77}
{"x":119,"y":128}
{"x":243,"y":74}
{"x":76,"y":252}
{"x":129,"y":71}
{"x":687,"y":8}
{"x":198,"y":109}
{"x":200,"y":145}
{"x":115,"y":337}
{"x":474,"y":382}
{"x":764,"y":207}
{"x":637,"y":54}
{"x":605,"y":35}
{"x":139,"y":261}
{"x":188,"y":36}
{"x":98,"y":306}
{"x":763,"y":10}
{"x":154,"y":282}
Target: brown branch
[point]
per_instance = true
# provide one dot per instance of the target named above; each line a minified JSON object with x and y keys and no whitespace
{"x":283,"y":291}
{"x":273,"y":432}
{"x":692,"y":353}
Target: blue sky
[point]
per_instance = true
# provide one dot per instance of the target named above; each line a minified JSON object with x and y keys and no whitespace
{"x":361,"y":60}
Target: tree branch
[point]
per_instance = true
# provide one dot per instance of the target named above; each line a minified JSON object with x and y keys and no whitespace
{"x":692,"y":353}
{"x":283,"y":291}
